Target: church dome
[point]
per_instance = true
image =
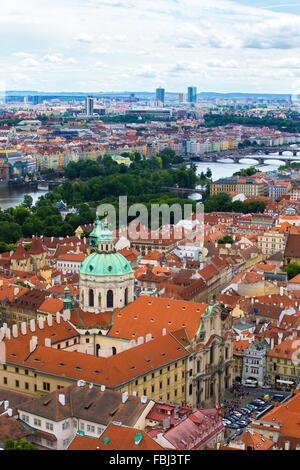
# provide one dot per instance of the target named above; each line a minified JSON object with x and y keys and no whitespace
{"x":105,"y":264}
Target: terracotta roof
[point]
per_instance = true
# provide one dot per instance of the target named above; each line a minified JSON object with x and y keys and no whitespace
{"x":116,"y":438}
{"x":254,"y":441}
{"x":151,"y":315}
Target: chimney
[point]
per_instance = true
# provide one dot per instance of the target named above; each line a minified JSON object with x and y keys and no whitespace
{"x":15,"y":331}
{"x":10,"y":412}
{"x":23,"y":328}
{"x":66,"y":315}
{"x":141,"y":340}
{"x":164,"y":332}
{"x":58,"y":318}
{"x":2,"y":352}
{"x":6,"y":405}
{"x":62,"y":399}
{"x":272,"y":343}
{"x":49,"y":320}
{"x":48,"y":342}
{"x":124,"y":397}
{"x":41,"y":323}
{"x":103,"y":388}
{"x":287,"y":445}
{"x":280,"y":335}
{"x":33,"y":343}
{"x":32,"y":325}
{"x":148,"y":337}
{"x":7,"y":333}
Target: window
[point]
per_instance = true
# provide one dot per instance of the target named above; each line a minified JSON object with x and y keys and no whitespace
{"x":87,"y":340}
{"x":46,"y":386}
{"x":17,"y":383}
{"x":5,"y":380}
{"x":152,"y":389}
{"x":65,"y":425}
{"x":160,"y":385}
{"x":49,"y":426}
{"x":4,"y":367}
{"x":175,"y":378}
{"x":17,"y":370}
{"x":190,"y":389}
{"x":26,"y":371}
{"x":145,"y":392}
{"x":26,"y":386}
{"x":25,"y":418}
{"x":37,"y":422}
{"x":90,"y":428}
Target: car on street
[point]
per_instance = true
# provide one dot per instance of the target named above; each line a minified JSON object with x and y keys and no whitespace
{"x":233,"y":426}
{"x":266,"y":386}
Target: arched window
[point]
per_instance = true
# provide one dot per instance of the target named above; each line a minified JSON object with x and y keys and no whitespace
{"x":126,"y":296}
{"x":91,"y":298}
{"x":211,"y":355}
{"x":97,"y":349}
{"x":110,"y":299}
{"x":99,"y":300}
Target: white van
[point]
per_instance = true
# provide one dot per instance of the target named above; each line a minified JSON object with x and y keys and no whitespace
{"x":251,"y":383}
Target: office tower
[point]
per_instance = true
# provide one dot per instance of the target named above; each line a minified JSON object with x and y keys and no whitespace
{"x":89,"y":106}
{"x":192,"y":94}
{"x":35,"y":99}
{"x":181,"y":98}
{"x":160,"y":94}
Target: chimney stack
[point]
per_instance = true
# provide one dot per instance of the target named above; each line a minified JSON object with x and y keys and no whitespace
{"x":124,"y":397}
{"x":2,"y":352}
{"x":32,"y":325}
{"x":33,"y":343}
{"x":48,"y":342}
{"x":41,"y":323}
{"x":49,"y":320}
{"x":62,"y":399}
{"x":148,"y":337}
{"x":15,"y":331}
{"x":58,"y":318}
{"x":23,"y":328}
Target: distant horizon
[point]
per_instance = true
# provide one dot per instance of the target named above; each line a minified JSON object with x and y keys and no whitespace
{"x":64,"y":92}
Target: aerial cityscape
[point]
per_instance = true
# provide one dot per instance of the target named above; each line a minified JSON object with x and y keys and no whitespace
{"x":150,"y":240}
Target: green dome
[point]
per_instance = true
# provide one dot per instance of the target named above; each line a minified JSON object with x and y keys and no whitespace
{"x":105,"y":264}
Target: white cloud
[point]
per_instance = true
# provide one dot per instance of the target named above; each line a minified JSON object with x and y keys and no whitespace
{"x":219,"y":45}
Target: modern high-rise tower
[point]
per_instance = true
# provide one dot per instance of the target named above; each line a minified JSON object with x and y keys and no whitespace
{"x":160,"y":94}
{"x":192,"y":94}
{"x":89,"y":106}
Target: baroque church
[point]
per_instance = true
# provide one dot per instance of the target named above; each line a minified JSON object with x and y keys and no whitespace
{"x":106,"y":277}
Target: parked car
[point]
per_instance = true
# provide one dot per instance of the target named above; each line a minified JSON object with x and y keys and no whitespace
{"x":266,"y":386}
{"x":246,"y":410}
{"x":242,"y":424}
{"x":278,"y":397}
{"x":233,"y":426}
{"x":237,"y":413}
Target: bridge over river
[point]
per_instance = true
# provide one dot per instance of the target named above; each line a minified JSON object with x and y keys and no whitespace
{"x":261,"y":155}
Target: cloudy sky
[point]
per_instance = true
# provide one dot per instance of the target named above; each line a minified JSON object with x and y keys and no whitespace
{"x":138,"y":45}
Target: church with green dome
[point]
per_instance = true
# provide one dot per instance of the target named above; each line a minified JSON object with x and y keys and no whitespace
{"x":106,"y":278}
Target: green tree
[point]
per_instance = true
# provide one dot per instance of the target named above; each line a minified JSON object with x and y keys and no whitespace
{"x":292,"y":269}
{"x":226,"y":239}
{"x":22,"y":444}
{"x":27,"y":202}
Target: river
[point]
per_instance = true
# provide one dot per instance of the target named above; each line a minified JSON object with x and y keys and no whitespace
{"x":13,"y":197}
